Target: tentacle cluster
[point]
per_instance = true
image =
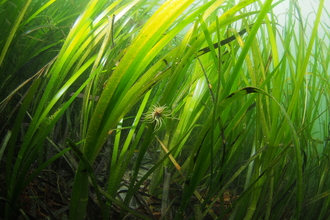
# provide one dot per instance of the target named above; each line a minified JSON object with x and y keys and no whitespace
{"x":156,"y":114}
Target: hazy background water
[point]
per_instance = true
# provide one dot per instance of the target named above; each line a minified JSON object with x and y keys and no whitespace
{"x":308,"y":10}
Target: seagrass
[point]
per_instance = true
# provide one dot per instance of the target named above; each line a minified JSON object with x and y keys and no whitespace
{"x":228,"y":107}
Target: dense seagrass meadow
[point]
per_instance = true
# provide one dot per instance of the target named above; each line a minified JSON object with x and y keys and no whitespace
{"x":178,"y":109}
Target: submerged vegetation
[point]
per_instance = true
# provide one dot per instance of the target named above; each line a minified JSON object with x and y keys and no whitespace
{"x":174,"y":109}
